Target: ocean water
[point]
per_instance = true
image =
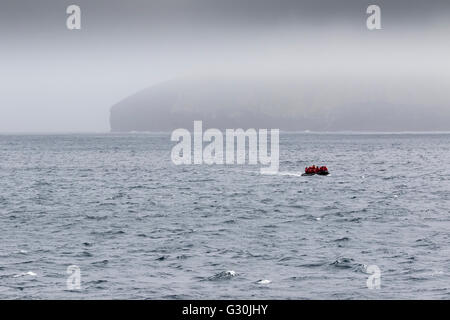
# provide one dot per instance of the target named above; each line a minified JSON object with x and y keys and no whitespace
{"x":139,"y":227}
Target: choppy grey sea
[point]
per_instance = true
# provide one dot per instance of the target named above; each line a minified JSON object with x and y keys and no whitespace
{"x":139,"y":227}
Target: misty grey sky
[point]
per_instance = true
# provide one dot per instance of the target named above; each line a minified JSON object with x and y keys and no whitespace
{"x":56,"y":80}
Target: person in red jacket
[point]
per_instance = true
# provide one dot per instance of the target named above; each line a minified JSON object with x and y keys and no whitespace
{"x":309,"y":170}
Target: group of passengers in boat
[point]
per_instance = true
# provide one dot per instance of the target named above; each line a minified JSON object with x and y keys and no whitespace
{"x":314,"y":169}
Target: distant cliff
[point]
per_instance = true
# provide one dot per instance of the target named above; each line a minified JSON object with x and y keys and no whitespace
{"x":285,"y":103}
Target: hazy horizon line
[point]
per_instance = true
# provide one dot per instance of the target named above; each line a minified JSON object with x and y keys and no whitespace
{"x":368,"y":132}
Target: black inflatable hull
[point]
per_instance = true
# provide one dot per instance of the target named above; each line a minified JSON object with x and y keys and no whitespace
{"x":312,"y":174}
